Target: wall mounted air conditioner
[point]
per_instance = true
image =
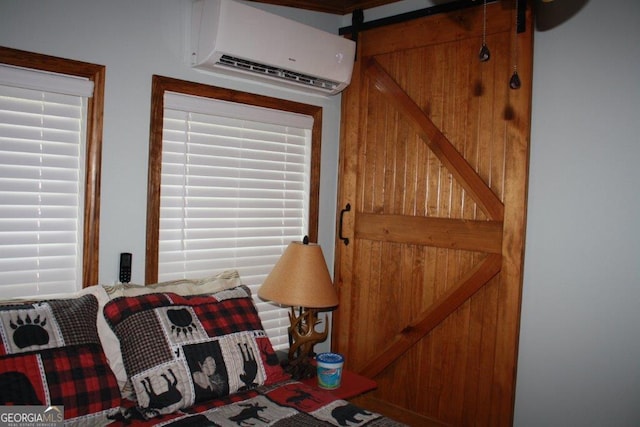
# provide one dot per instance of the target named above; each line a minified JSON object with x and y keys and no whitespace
{"x":233,"y":38}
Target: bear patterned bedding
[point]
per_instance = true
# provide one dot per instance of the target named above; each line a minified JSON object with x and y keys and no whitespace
{"x":157,"y":358}
{"x":286,"y":404}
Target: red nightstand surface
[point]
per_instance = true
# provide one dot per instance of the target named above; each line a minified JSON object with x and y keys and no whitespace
{"x":351,"y":385}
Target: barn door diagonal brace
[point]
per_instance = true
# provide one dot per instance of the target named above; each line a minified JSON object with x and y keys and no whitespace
{"x":437,"y":142}
{"x":434,"y":315}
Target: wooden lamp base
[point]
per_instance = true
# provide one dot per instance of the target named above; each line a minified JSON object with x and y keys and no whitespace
{"x":304,"y":337}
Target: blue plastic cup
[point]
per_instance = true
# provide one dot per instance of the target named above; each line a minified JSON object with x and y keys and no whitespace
{"x":329,"y":370}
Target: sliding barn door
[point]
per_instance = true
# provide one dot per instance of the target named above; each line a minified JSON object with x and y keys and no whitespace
{"x":433,"y":167}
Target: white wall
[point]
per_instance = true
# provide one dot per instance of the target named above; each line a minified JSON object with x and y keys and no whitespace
{"x":580,"y":334}
{"x":134,"y":40}
{"x":579,"y":358}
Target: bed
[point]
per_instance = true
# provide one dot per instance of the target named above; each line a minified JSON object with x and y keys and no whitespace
{"x":179,"y":353}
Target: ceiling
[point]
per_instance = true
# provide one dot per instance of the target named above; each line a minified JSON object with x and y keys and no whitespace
{"x":339,"y":7}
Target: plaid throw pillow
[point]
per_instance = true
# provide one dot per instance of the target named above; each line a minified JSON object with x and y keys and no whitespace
{"x":50,"y":355}
{"x":179,"y":350}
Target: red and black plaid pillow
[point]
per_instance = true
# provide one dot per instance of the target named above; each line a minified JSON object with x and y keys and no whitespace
{"x":179,"y":350}
{"x":50,"y":354}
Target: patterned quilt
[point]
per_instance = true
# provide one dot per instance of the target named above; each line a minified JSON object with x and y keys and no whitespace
{"x":287,"y":404}
{"x":196,"y":360}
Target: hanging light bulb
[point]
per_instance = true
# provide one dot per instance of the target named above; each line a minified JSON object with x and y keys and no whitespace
{"x":484,"y":54}
{"x":514,"y":81}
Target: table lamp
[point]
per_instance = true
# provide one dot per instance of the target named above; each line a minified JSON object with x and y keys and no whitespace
{"x":301,"y":279}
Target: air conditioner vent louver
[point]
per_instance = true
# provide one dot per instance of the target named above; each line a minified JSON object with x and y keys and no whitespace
{"x":267,"y":70}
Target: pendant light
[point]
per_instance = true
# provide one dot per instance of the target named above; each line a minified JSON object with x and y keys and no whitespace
{"x":514,"y":81}
{"x":484,"y":54}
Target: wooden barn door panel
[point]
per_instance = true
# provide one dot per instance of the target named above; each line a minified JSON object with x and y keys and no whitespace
{"x":434,"y":159}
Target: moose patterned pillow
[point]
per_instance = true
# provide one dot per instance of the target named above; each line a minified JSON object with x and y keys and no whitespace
{"x":50,"y":355}
{"x":179,"y":350}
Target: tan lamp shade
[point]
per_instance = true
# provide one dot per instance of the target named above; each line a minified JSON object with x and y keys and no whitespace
{"x":300,"y":278}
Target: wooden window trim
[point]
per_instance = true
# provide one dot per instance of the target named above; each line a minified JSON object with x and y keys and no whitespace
{"x":95,"y":109}
{"x":162,"y":84}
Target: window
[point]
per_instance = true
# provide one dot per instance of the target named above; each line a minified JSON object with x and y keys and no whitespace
{"x":233,"y":179}
{"x":50,"y":146}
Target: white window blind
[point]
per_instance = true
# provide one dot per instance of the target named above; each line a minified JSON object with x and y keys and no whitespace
{"x":234,"y":193}
{"x":42,"y":119}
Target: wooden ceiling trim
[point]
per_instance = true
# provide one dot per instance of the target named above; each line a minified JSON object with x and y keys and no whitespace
{"x":337,"y":7}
